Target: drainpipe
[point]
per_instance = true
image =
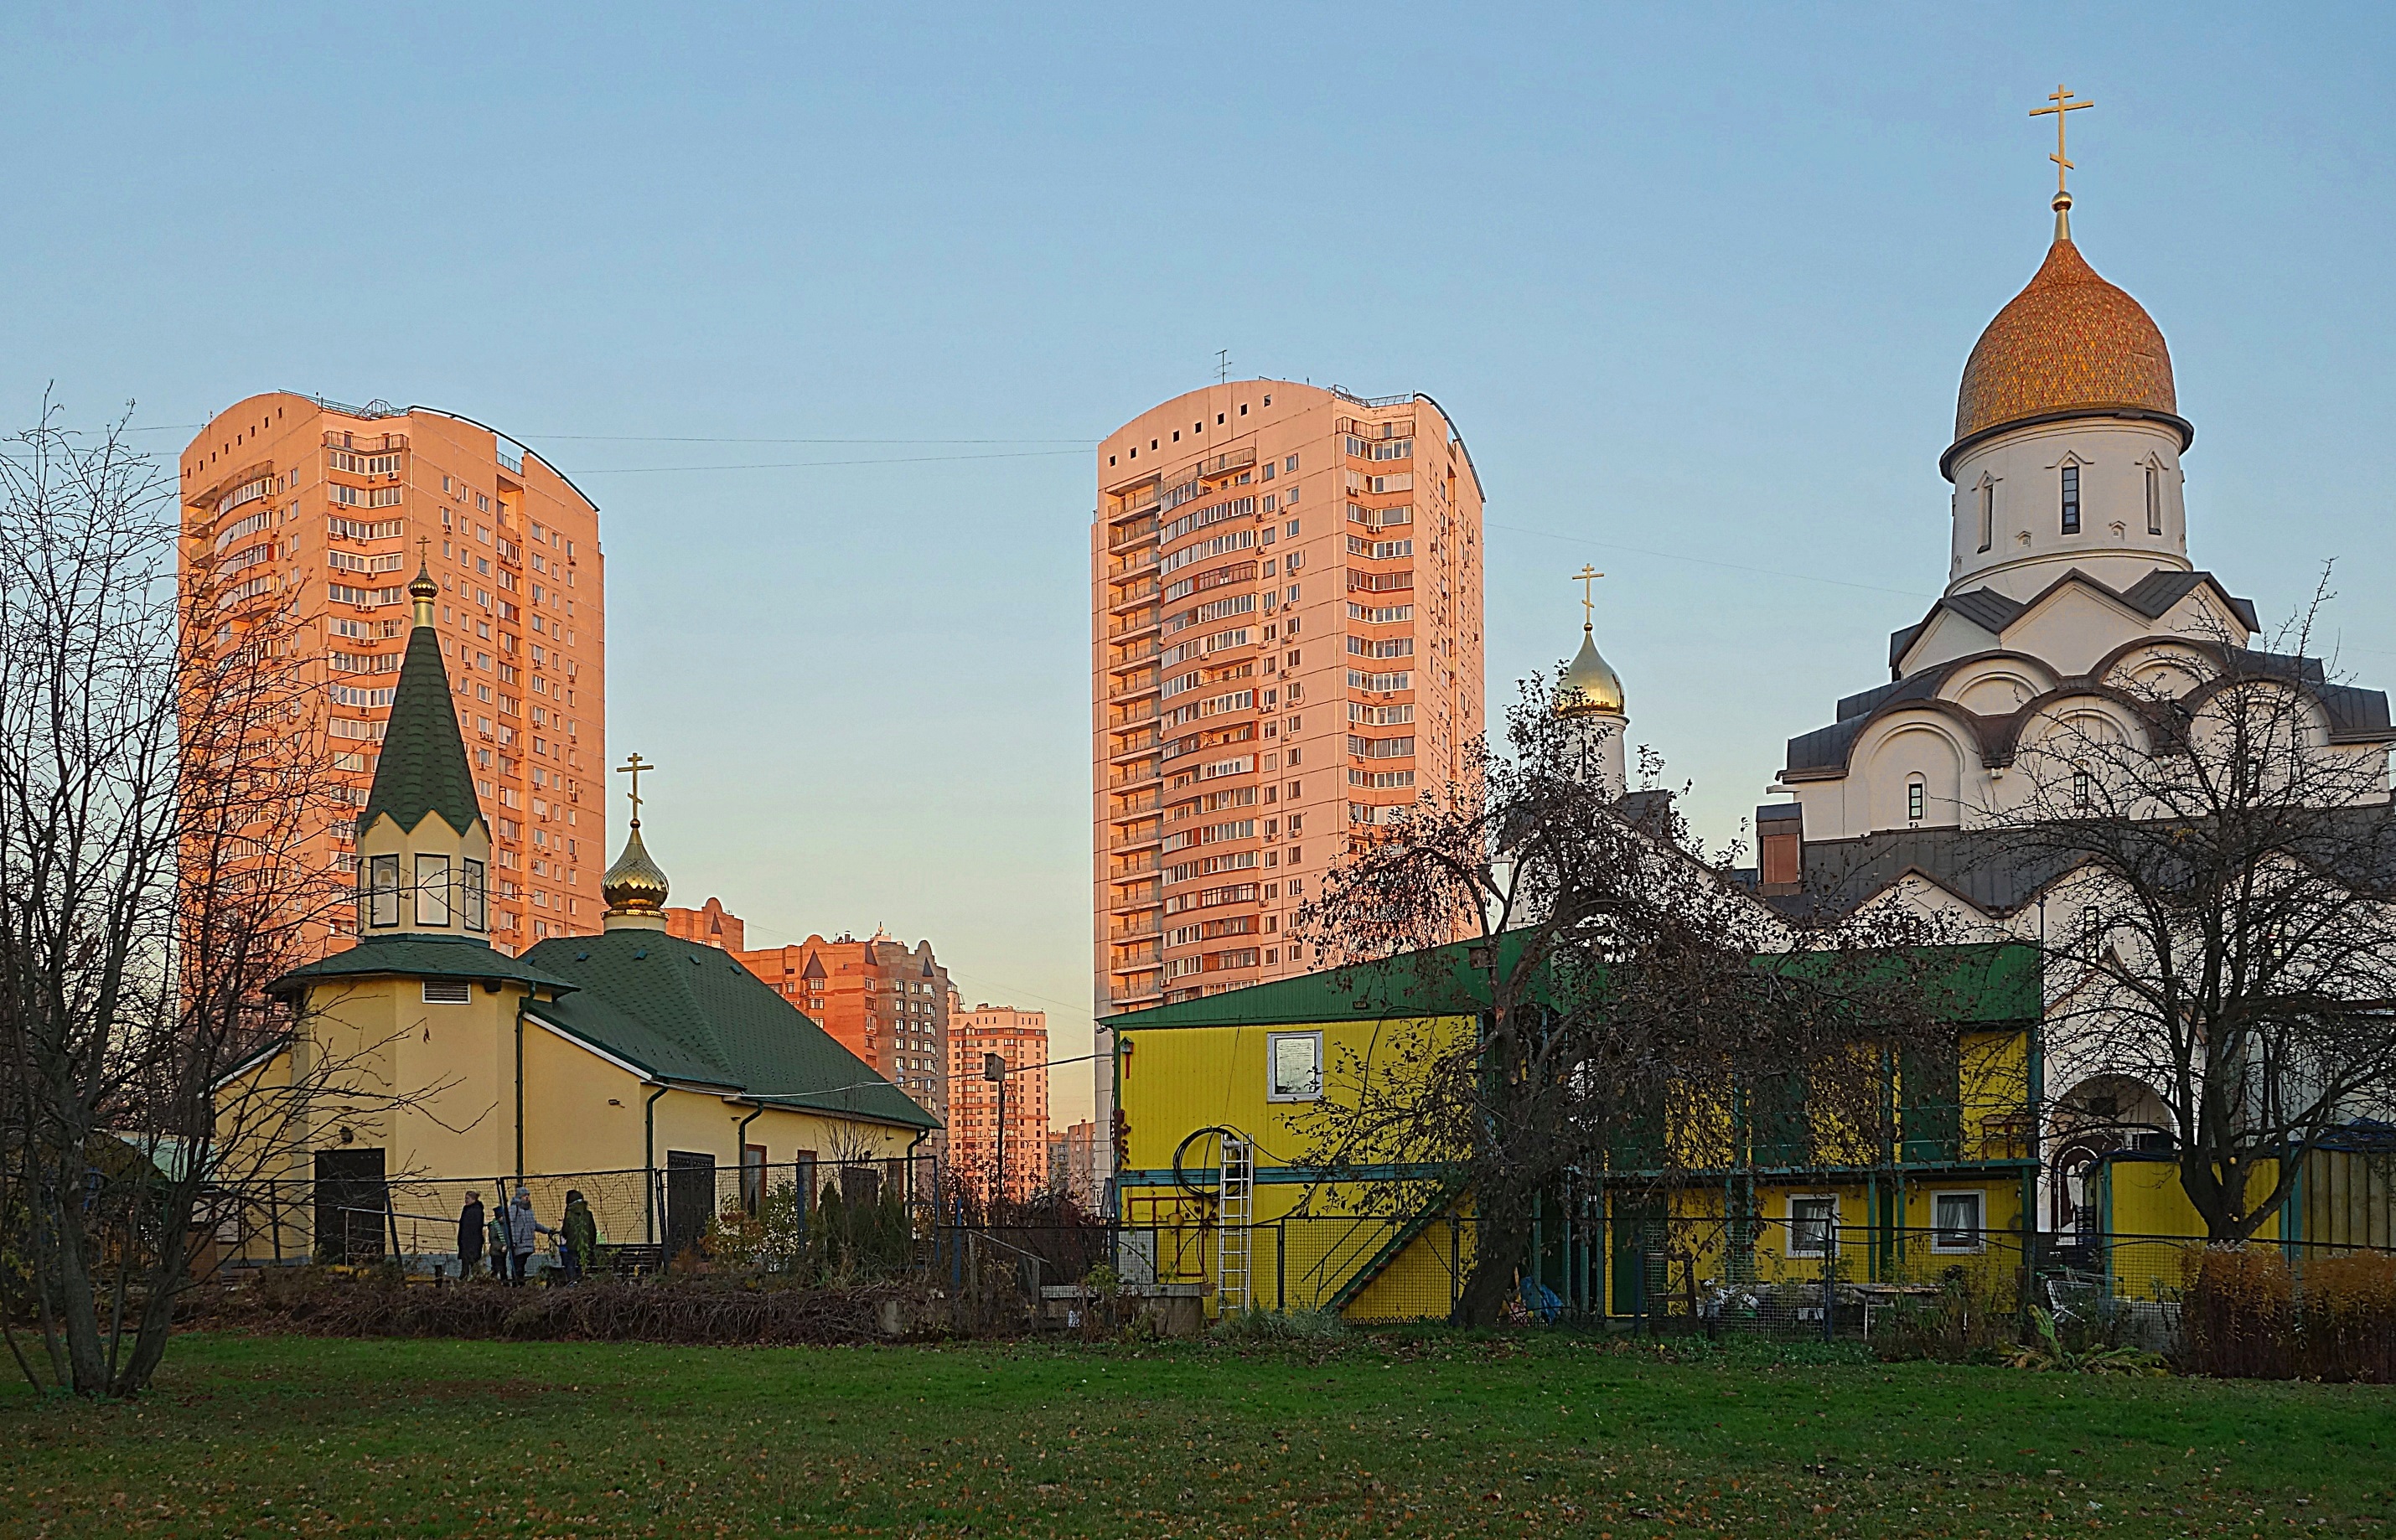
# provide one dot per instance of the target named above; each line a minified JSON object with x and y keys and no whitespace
{"x":740,"y":1153}
{"x":649,"y":1165}
{"x":519,"y":1037}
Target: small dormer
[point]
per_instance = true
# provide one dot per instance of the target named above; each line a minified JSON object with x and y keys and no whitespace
{"x":425,"y":852}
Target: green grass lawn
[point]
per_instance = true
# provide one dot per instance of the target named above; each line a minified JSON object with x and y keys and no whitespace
{"x":1421,"y":1433}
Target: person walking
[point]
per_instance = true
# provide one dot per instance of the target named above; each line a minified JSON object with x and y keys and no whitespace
{"x":469,"y":1236}
{"x":524,"y":1234}
{"x":580,"y":1237}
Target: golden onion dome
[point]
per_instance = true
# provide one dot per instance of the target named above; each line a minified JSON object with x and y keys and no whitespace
{"x":1589,"y":685}
{"x":634,"y":885}
{"x":2068,"y":342}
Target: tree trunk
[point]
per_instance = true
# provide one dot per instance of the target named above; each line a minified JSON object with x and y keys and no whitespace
{"x":1496,"y":1257}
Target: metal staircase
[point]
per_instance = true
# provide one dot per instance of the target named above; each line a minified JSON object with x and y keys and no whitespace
{"x":1237,"y":1214}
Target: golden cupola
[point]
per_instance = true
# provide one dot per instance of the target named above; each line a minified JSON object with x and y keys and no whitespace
{"x":1589,"y":685}
{"x":2069,"y":345}
{"x":635,"y":886}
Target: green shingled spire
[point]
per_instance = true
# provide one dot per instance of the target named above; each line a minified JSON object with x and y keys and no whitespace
{"x":423,"y":764}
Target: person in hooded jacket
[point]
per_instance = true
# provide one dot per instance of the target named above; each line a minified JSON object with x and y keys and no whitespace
{"x":524,"y":1234}
{"x":579,"y":1238}
{"x":469,"y":1236}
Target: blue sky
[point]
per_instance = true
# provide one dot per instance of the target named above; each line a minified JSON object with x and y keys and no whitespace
{"x":1696,"y":283}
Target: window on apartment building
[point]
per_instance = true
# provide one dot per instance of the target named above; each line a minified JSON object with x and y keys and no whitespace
{"x":2071,"y":499}
{"x":1290,"y":465}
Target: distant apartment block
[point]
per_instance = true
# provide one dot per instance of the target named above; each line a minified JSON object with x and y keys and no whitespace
{"x":884,"y":1001}
{"x":1073,"y":1162}
{"x":318,"y":513}
{"x":990,"y":1155}
{"x":710,"y":925}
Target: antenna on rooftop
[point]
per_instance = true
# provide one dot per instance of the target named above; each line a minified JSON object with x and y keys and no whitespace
{"x":1222,"y":366}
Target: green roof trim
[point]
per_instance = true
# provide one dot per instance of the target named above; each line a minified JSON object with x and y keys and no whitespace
{"x":408,"y":955}
{"x":680,"y":1011}
{"x":1986,"y":984}
{"x":422,"y":768}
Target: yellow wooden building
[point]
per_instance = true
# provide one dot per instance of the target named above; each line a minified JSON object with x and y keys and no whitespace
{"x":1214,"y":1185}
{"x":423,"y":1062}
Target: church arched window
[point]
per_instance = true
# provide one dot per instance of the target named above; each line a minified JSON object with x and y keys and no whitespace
{"x":2070,"y":498}
{"x":2081,"y":786}
{"x":1917,"y":798}
{"x":1987,"y":490}
{"x":2154,"y":498}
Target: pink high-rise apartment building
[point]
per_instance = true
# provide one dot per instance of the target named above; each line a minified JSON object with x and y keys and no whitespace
{"x":317,"y":515}
{"x":1285,"y":646}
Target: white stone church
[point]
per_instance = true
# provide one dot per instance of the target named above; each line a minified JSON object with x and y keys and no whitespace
{"x":2070,"y":596}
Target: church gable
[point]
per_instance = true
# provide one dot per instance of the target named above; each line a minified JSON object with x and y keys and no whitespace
{"x":1947,"y":635}
{"x":2073,"y":626}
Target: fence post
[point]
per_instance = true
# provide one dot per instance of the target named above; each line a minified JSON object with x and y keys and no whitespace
{"x":1829,"y":1265}
{"x":275,"y":1216}
{"x":1281,"y":1263}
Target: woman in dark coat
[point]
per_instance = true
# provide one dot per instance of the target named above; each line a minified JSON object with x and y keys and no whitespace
{"x":470,"y":1235}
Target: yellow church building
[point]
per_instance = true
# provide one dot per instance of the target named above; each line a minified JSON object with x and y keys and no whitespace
{"x":423,"y":1062}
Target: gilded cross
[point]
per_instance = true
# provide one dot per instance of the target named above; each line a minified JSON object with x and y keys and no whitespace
{"x":2064,"y":106}
{"x":632,"y":767}
{"x":1586,"y":577}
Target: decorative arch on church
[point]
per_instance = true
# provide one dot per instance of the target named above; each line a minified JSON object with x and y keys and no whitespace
{"x":1996,"y":685}
{"x":1917,"y":750}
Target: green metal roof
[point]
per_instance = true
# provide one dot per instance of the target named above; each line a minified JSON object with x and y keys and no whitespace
{"x":422,"y":768}
{"x":420,"y":956}
{"x":1986,"y":984}
{"x":685,"y":1012}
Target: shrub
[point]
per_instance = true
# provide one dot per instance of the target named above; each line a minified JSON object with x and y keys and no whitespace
{"x":1257,"y":1325}
{"x":2349,"y":1317}
{"x":312,"y":1302}
{"x":2238,"y":1313}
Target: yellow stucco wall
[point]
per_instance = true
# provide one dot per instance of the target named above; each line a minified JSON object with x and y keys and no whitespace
{"x":433,"y":1085}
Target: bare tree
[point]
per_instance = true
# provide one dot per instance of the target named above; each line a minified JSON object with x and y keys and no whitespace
{"x":158,"y":775}
{"x":2221,"y":922}
{"x":1625,"y":996}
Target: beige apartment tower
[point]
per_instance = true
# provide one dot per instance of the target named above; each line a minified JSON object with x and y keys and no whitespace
{"x":320,"y":513}
{"x":1285,"y":646}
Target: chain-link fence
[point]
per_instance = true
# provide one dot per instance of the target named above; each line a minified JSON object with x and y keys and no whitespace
{"x":1951,"y":1289}
{"x":639,"y":1220}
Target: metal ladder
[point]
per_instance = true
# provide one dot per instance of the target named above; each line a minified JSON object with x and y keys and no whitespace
{"x":1237,"y":1196}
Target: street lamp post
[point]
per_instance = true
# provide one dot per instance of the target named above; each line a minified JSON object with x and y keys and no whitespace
{"x":993,"y":1068}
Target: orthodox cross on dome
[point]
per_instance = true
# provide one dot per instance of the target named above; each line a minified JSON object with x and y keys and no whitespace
{"x":2063,"y":107}
{"x":632,"y":767}
{"x":1586,"y":576}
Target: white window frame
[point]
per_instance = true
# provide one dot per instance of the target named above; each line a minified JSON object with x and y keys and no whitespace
{"x":1979,"y":1242}
{"x":1796,"y":1248}
{"x":1273,"y":1092}
{"x":434,"y":905}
